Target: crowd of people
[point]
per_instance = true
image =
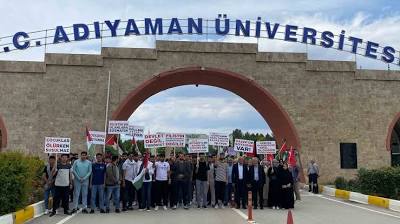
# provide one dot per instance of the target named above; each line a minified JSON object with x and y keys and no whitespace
{"x":183,"y":181}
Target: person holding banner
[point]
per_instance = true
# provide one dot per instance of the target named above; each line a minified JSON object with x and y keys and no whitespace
{"x":275,"y":188}
{"x":240,"y":179}
{"x":257,"y":179}
{"x":62,"y":183}
{"x":82,"y":169}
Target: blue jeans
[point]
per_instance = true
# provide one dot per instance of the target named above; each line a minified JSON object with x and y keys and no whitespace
{"x":95,"y":189}
{"x":78,"y":189}
{"x":114,"y":190}
{"x":228,"y":193}
{"x":47,"y":192}
{"x":146,"y":195}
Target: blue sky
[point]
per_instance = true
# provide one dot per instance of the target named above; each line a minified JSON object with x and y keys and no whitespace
{"x":378,"y":21}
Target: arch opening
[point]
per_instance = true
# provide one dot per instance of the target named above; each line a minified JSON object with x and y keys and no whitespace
{"x":257,"y":96}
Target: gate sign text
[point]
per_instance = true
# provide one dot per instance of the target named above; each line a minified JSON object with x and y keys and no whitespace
{"x":57,"y":145}
{"x":242,"y":145}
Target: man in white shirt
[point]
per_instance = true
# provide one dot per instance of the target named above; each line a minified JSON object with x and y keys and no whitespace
{"x":129,"y":173}
{"x":162,"y":170}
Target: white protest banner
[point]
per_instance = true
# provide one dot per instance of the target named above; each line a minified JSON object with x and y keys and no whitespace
{"x":154,"y":141}
{"x":242,"y":145}
{"x":174,"y":140}
{"x":198,"y":145}
{"x":266,"y":147}
{"x":57,"y":145}
{"x":98,"y":137}
{"x":218,"y":139}
{"x":118,"y":127}
{"x":136,"y":131}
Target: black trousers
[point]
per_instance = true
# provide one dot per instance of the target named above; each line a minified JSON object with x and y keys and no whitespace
{"x":241,"y":193}
{"x":129,"y":194}
{"x":257,"y":193}
{"x":182,"y":192}
{"x":220,"y":190}
{"x":61,"y":194}
{"x":162,"y":192}
{"x":122,"y":196}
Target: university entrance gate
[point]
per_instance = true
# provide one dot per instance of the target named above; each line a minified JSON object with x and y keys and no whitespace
{"x":332,"y":112}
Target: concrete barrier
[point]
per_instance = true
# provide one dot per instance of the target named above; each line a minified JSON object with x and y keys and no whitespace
{"x":358,"y":197}
{"x":38,"y":209}
{"x":394,"y":205}
{"x":329,"y":191}
{"x":378,"y":201}
{"x":7,"y":219}
{"x":342,"y":194}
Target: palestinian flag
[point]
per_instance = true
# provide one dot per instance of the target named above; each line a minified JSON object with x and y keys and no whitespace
{"x":113,"y":142}
{"x":134,"y":146}
{"x":292,"y":157}
{"x":90,"y":146}
{"x":281,"y":151}
{"x":138,"y":181}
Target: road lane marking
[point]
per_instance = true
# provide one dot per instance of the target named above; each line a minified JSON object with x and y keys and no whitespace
{"x":240,"y":213}
{"x":68,"y":217}
{"x":360,"y":207}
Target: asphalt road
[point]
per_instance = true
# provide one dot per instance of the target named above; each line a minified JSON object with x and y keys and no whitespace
{"x":313,"y":209}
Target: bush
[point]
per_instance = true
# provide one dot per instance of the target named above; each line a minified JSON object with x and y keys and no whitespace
{"x":20,"y":177}
{"x":383,"y":182}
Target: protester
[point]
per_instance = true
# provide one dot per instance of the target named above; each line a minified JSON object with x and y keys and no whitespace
{"x":62,"y":183}
{"x":257,"y":180}
{"x":48,"y":179}
{"x":112,"y":182}
{"x":98,"y":181}
{"x":294,"y":169}
{"x":147,"y":185}
{"x":229,"y":188}
{"x":286,"y":183}
{"x":172,"y":184}
{"x":129,"y":175}
{"x":183,"y":174}
{"x":122,"y":195}
{"x":211,"y":180}
{"x":266,"y":165}
{"x":162,"y":175}
{"x":313,"y":174}
{"x":274,"y":186}
{"x":220,"y":181}
{"x":201,"y":182}
{"x":240,"y":179}
{"x":82,"y":169}
{"x":188,"y":159}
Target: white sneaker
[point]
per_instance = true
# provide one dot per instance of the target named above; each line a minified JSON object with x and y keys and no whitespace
{"x":165,"y":207}
{"x":216,"y":206}
{"x":46,"y":212}
{"x":134,"y":203}
{"x":174,"y":207}
{"x":222,"y":206}
{"x":156,"y":208}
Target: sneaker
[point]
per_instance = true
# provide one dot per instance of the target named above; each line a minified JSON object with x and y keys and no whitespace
{"x":148,"y":209}
{"x":84,"y":211}
{"x":156,"y":208}
{"x":92,"y":211}
{"x":185,"y":207}
{"x":73,"y":211}
{"x":165,"y":207}
{"x":52,"y":214}
{"x":117,"y":210}
{"x":174,"y":207}
{"x":102,"y":211}
{"x":198,"y":206}
{"x":67,"y":213}
{"x":222,"y":206}
{"x":46,"y":212}
{"x":124,"y":210}
{"x":204,"y":206}
{"x":216,"y":206}
{"x":107,"y":210}
{"x":134,"y":203}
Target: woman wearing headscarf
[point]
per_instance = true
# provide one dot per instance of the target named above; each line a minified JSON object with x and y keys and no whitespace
{"x":286,"y":183}
{"x":275,"y":189}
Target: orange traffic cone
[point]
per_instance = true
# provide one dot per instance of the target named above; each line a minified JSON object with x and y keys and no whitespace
{"x":289,"y":217}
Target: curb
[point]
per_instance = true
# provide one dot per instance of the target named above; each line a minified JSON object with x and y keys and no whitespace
{"x":391,"y":204}
{"x":23,"y":215}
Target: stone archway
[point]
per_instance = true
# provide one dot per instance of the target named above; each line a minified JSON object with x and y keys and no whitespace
{"x":3,"y":134}
{"x":393,"y":140}
{"x":269,"y":108}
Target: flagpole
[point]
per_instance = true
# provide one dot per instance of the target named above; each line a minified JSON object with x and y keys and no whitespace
{"x":108,"y":99}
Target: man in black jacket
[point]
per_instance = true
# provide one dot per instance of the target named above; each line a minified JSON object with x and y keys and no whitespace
{"x":241,"y":180}
{"x":257,"y":180}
